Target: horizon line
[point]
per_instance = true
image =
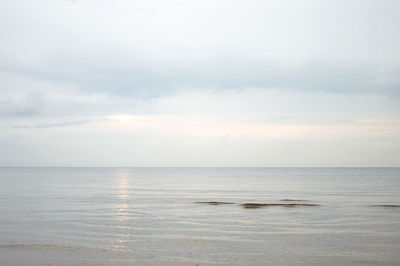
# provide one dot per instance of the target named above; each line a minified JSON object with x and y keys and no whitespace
{"x":199,"y":166}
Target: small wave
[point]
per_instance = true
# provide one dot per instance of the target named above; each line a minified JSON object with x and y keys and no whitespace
{"x":43,"y":247}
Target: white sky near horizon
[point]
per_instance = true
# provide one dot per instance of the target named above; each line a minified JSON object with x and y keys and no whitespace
{"x":199,"y":83}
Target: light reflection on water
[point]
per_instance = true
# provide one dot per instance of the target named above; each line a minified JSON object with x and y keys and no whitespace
{"x":122,"y":209}
{"x":123,"y":195}
{"x":150,"y":214}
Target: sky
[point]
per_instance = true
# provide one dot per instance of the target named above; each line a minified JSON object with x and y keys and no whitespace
{"x":255,"y":83}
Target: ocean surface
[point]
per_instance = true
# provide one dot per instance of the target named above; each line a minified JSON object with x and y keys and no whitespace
{"x":150,"y":216}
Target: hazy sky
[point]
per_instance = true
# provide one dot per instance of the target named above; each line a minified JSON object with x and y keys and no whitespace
{"x":199,"y":83}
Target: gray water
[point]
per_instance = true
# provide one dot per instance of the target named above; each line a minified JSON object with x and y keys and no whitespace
{"x":149,"y":216}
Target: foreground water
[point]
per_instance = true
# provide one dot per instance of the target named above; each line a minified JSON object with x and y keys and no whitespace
{"x":149,"y":216}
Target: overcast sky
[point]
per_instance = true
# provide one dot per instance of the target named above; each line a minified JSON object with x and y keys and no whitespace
{"x":199,"y":83}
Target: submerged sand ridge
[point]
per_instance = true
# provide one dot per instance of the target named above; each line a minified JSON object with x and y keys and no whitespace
{"x":261,"y":205}
{"x":253,"y":205}
{"x":288,"y":205}
{"x":293,"y":200}
{"x":214,"y":202}
{"x":386,"y":205}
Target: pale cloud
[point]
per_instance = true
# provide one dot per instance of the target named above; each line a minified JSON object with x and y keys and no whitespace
{"x":227,"y":82}
{"x":51,"y":125}
{"x":212,"y":128}
{"x":151,"y":48}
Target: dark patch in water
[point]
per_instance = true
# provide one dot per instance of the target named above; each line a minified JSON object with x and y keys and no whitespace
{"x":293,"y":200}
{"x":214,"y":202}
{"x":288,"y":205}
{"x":387,"y":206}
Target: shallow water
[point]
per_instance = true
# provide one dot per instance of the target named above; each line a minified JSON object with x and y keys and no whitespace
{"x":149,"y":216}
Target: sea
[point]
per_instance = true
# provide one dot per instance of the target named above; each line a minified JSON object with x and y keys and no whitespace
{"x":163,"y":216}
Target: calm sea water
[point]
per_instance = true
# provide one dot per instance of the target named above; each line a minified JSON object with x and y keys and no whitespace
{"x":148,"y":216}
